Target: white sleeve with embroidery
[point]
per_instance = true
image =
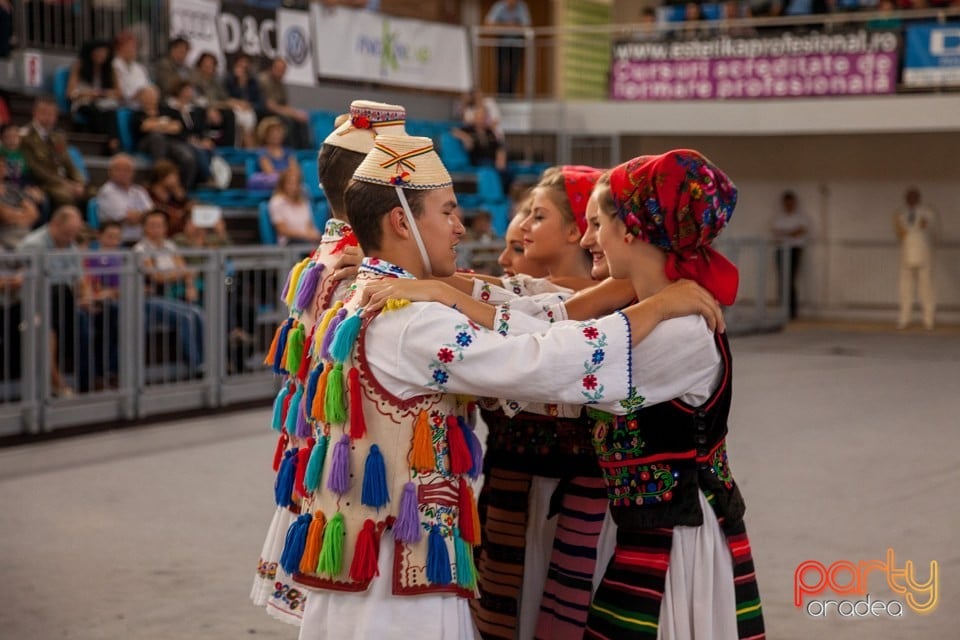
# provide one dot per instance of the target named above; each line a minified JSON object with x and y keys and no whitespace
{"x":428,"y":347}
{"x":514,"y":287}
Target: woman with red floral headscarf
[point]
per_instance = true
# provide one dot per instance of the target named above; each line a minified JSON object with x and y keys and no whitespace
{"x":682,"y":568}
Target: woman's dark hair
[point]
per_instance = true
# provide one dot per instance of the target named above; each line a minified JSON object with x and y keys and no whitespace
{"x":87,"y":70}
{"x":203,"y":56}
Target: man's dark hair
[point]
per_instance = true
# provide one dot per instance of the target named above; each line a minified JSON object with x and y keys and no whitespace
{"x":45,"y":98}
{"x":367,"y":203}
{"x":335,"y":167}
{"x":155,"y":212}
{"x":176,"y":42}
{"x":106,"y":224}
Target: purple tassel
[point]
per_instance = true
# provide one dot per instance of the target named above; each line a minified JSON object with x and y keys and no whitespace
{"x":406,"y":528}
{"x":286,"y":287}
{"x":328,"y":336}
{"x":303,"y":426}
{"x":308,"y":287}
{"x":339,"y":480}
{"x":476,"y":449}
{"x":283,"y":488}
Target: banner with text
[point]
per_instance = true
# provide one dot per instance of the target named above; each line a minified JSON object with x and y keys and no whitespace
{"x":932,"y":55}
{"x":360,"y":45}
{"x":248,"y":29}
{"x":295,"y":45}
{"x":196,"y":20}
{"x":785,"y":65}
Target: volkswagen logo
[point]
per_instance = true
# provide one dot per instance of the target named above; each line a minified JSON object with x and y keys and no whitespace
{"x":297,"y":44}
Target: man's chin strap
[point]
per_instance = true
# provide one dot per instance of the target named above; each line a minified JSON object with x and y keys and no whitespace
{"x":414,"y":230}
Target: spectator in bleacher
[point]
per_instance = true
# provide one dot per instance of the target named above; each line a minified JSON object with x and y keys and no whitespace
{"x":475,"y":98}
{"x":272,"y":157}
{"x":69,"y":293}
{"x":169,"y":196}
{"x":93,"y":92}
{"x":172,"y":67}
{"x":508,"y":13}
{"x":243,"y":87}
{"x":103,"y":279}
{"x":483,"y":145}
{"x":123,"y":201}
{"x":290,"y":209}
{"x":197,"y":237}
{"x":161,"y":135}
{"x":733,"y":10}
{"x":17,"y":171}
{"x":276,"y":103}
{"x":791,"y":229}
{"x":886,"y":21}
{"x":648,"y":31}
{"x":49,"y":163}
{"x":692,"y":28}
{"x":195,"y":129}
{"x":168,"y":272}
{"x":18,"y":213}
{"x":132,"y":77}
{"x":806,"y":7}
{"x":212,"y":93}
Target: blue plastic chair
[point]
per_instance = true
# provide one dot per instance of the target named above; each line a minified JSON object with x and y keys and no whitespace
{"x":61,"y":78}
{"x":93,"y":214}
{"x":77,"y":158}
{"x":452,"y":153}
{"x":124,"y":129}
{"x":310,"y":180}
{"x":321,"y":125}
{"x":321,"y":211}
{"x":489,"y":185}
{"x":268,"y":235}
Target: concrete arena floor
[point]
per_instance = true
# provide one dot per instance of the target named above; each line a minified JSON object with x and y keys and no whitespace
{"x":845,"y":443}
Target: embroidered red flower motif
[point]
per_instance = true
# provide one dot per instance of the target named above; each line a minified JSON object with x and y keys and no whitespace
{"x":360,"y":122}
{"x":590,"y":382}
{"x":591,"y":333}
{"x":445,"y":355}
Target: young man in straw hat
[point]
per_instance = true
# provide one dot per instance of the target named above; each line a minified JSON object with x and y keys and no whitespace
{"x":389,"y":511}
{"x":314,"y":285}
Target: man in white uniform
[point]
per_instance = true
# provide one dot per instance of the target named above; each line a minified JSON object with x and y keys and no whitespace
{"x":914,"y":225}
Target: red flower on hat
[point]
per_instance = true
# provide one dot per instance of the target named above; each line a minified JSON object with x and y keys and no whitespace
{"x":361,"y":122}
{"x":400,"y":180}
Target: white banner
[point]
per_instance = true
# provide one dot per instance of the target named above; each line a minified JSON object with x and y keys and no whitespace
{"x":360,"y":45}
{"x":296,"y":46}
{"x":196,"y":20}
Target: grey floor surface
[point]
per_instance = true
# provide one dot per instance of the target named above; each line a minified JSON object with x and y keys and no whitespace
{"x":845,"y":443}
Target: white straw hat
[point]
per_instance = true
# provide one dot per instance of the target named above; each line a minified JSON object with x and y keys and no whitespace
{"x":403,"y":161}
{"x":367,"y":120}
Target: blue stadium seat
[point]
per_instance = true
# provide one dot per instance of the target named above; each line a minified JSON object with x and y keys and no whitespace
{"x":452,"y":153}
{"x":489,"y":185}
{"x":321,"y":211}
{"x":93,"y":214}
{"x":124,"y":128}
{"x":321,"y":125}
{"x":268,"y":235}
{"x":77,"y":158}
{"x":61,"y":77}
{"x":309,"y":170}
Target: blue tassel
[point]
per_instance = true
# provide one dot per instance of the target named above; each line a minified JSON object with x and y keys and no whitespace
{"x":339,"y":480}
{"x":406,"y":528}
{"x":466,"y":574}
{"x":331,"y":330}
{"x":375,"y":493}
{"x":311,"y":391}
{"x":476,"y":449}
{"x":303,"y":426}
{"x":438,"y":558}
{"x":277,"y":423}
{"x":295,"y":543}
{"x":311,"y":480}
{"x":292,"y":411}
{"x":281,"y":347}
{"x":308,"y":287}
{"x":283,"y":488}
{"x":347,"y":334}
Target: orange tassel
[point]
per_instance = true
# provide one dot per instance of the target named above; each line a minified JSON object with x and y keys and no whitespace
{"x":318,"y":411}
{"x":311,"y":551}
{"x":358,"y":426}
{"x":272,"y":351}
{"x":422,"y":456}
{"x":364,"y":565}
{"x":278,"y":453}
{"x":460,"y":459}
{"x":469,"y":518}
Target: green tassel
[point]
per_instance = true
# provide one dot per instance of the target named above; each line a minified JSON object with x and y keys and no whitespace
{"x":295,"y":349}
{"x":346,"y":335}
{"x":334,"y":403}
{"x":331,"y":553}
{"x":466,"y":574}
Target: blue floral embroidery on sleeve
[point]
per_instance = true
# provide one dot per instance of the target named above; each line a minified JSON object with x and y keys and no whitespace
{"x":449,"y":353}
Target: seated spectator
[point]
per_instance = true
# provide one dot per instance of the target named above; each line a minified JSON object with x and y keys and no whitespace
{"x":692,"y":27}
{"x":162,"y":137}
{"x":169,"y":196}
{"x":70,"y":295}
{"x":886,"y":21}
{"x":276,"y":103}
{"x":238,"y":118}
{"x":103,"y":279}
{"x":272,"y":158}
{"x":18,"y":213}
{"x":121,"y":200}
{"x":649,"y":31}
{"x":93,"y":92}
{"x":733,"y":10}
{"x":483,"y":145}
{"x":194,"y":128}
{"x":243,"y":88}
{"x":166,"y":271}
{"x":290,"y":210}
{"x":197,"y":237}
{"x":173,"y":67}
{"x":132,"y":77}
{"x":476,"y":98}
{"x":17,"y":174}
{"x":48,"y":162}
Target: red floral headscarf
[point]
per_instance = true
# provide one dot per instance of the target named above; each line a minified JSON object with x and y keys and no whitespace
{"x":679,"y":202}
{"x":578,"y":181}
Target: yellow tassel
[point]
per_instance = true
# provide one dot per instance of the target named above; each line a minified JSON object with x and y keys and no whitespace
{"x":322,"y":327}
{"x":422,"y":456}
{"x":311,"y":552}
{"x":295,"y":280}
{"x":395,"y":303}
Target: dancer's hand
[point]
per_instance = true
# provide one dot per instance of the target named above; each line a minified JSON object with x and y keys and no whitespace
{"x":376,"y":294}
{"x":347,"y":266}
{"x":686,"y":297}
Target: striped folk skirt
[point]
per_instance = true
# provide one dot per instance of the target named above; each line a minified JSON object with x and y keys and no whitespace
{"x":638,"y":599}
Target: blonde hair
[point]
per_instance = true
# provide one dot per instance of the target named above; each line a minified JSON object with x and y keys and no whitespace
{"x":554,"y":186}
{"x":265,"y":125}
{"x":292,"y":170}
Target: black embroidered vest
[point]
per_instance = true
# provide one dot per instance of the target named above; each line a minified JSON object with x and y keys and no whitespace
{"x":655,"y":459}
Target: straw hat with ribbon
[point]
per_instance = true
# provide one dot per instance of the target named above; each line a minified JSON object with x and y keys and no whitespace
{"x":366,"y":121}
